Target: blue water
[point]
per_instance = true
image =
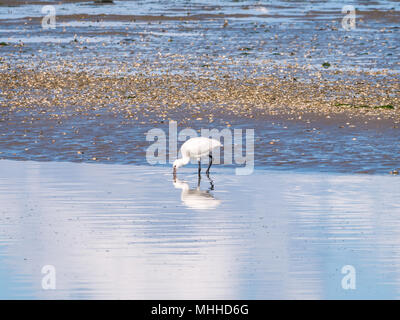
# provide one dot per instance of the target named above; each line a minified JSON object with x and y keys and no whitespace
{"x":331,"y":146}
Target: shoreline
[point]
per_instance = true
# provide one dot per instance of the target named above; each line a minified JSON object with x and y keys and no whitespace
{"x":189,"y":172}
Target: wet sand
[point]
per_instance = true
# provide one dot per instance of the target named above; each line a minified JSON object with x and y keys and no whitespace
{"x":118,"y":231}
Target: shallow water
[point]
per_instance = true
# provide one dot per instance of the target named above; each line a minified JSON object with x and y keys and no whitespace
{"x":125,"y":231}
{"x":283,"y":31}
{"x":179,"y":7}
{"x":334,"y":146}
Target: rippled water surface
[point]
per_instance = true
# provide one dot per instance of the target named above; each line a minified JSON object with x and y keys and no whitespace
{"x":125,"y":231}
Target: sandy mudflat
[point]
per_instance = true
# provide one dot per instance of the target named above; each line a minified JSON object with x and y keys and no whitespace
{"x":156,"y":97}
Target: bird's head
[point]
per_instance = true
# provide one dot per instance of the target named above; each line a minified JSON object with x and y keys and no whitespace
{"x":177,"y":164}
{"x":180,"y":163}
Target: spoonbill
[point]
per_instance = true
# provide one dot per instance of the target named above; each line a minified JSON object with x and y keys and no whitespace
{"x":196,"y":148}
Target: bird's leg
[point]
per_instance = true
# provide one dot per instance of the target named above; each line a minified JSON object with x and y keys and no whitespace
{"x":199,"y":167}
{"x":209,"y":165}
{"x":211,"y":182}
{"x":198,"y":181}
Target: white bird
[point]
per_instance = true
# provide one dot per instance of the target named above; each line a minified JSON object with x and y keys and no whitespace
{"x":196,"y":148}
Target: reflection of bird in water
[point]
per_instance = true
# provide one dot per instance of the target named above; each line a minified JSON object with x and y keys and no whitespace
{"x":196,"y":198}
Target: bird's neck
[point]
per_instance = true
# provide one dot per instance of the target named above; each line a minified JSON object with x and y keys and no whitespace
{"x":185,"y":160}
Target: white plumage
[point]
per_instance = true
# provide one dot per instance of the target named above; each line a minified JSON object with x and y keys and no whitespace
{"x":196,"y":148}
